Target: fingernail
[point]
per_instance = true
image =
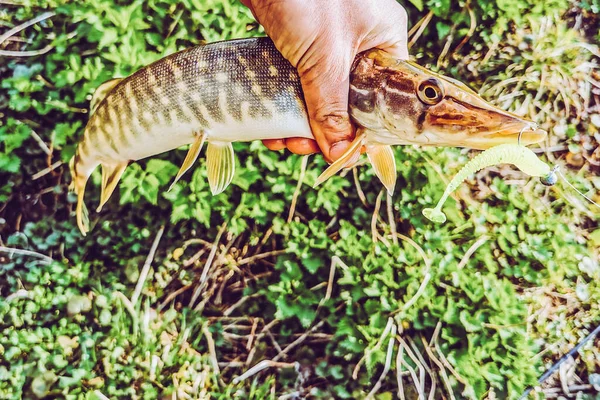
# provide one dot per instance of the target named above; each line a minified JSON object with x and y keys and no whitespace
{"x":337,"y":149}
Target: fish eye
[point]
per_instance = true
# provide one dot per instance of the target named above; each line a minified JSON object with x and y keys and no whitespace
{"x":430,"y":92}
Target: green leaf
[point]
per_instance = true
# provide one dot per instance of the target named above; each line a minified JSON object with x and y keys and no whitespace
{"x":418,"y":4}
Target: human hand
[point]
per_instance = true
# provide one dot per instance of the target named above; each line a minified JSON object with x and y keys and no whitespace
{"x":321,"y":38}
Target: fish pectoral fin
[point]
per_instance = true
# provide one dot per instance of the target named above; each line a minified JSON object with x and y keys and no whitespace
{"x":348,"y":158}
{"x":101,"y":92}
{"x":111,"y":175}
{"x":382,"y":158}
{"x":190,"y":158}
{"x":220,"y":164}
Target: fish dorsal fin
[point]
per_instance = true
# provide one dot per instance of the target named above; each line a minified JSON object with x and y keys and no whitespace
{"x":190,"y":158}
{"x":382,"y":158}
{"x":111,"y":175}
{"x":101,"y":92}
{"x":220,"y":164}
{"x":347,"y":159}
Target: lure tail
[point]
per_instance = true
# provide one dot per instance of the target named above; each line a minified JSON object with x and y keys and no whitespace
{"x":520,"y":156}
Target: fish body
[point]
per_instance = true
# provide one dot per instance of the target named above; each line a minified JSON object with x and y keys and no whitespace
{"x":244,"y":90}
{"x":239,"y":90}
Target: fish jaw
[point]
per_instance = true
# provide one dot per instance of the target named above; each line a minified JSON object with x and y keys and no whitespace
{"x":402,"y":103}
{"x":466,"y":120}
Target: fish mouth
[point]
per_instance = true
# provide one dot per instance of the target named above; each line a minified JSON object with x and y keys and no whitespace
{"x":517,"y":133}
{"x":521,"y":133}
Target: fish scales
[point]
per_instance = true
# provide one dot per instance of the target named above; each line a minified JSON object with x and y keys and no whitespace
{"x":244,"y":90}
{"x":233,"y":91}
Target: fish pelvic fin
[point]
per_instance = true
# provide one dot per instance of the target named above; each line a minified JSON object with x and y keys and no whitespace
{"x":111,"y":175}
{"x":220,"y":163}
{"x":101,"y":92}
{"x":190,"y":158}
{"x":382,"y":158}
{"x":347,"y":159}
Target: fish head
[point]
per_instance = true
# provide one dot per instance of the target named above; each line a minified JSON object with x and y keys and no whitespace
{"x":399,"y":102}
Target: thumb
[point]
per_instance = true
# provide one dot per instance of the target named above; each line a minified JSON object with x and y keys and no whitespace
{"x":397,"y":49}
{"x":326,"y":95}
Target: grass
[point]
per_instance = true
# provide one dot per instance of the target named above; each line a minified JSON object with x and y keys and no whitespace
{"x":352,"y":295}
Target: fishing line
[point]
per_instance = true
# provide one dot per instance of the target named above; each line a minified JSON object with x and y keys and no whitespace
{"x":521,"y":134}
{"x":526,"y":127}
{"x":556,"y":170}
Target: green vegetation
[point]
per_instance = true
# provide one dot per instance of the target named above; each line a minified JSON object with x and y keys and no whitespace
{"x":481,"y":305}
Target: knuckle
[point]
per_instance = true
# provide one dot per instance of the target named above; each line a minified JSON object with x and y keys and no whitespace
{"x":332,"y":120}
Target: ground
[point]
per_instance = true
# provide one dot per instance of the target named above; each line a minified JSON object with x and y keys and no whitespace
{"x":347,"y":294}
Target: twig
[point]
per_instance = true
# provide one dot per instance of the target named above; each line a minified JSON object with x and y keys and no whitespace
{"x":432,"y":376}
{"x":426,"y":274}
{"x":298,"y":187}
{"x":292,"y":395}
{"x":421,"y":381}
{"x":253,"y":258}
{"x":193,"y":258}
{"x":207,"y":266}
{"x":24,"y":25}
{"x":439,"y":364}
{"x":411,"y":370}
{"x":146,"y":268}
{"x":374,"y":233}
{"x":359,"y":191}
{"x":10,"y":251}
{"x":19,"y":294}
{"x":296,"y":342}
{"x":417,"y":247}
{"x":252,"y":333}
{"x":422,"y":25}
{"x":100,"y":395}
{"x":566,"y":370}
{"x":571,"y":354}
{"x":172,"y":297}
{"x":264,"y":364}
{"x":391,"y":220}
{"x":212,"y":254}
{"x":570,"y":389}
{"x":384,"y":334}
{"x":232,"y":271}
{"x":41,"y":143}
{"x":388,"y":362}
{"x":130,"y":309}
{"x":46,"y":171}
{"x":472,"y":28}
{"x":436,"y":333}
{"x":335,"y":261}
{"x":399,"y":358}
{"x":448,"y":365}
{"x":471,"y":251}
{"x":211,"y":349}
{"x":240,"y":302}
{"x":274,"y":341}
{"x":231,"y":364}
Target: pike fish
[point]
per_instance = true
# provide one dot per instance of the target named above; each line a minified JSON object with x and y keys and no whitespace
{"x":244,"y":90}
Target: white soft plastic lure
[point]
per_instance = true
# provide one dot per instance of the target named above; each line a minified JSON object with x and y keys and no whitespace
{"x":518,"y":155}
